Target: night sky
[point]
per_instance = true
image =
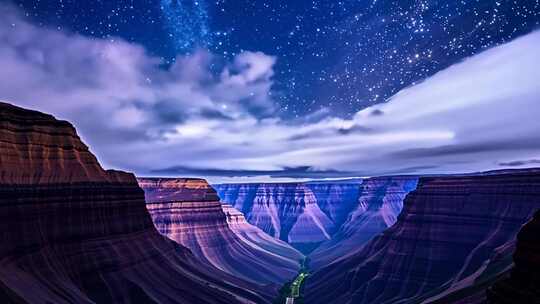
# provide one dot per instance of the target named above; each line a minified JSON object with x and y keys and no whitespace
{"x":345,"y":55}
{"x":244,"y":90}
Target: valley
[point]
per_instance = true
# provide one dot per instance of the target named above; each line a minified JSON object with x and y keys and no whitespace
{"x":103,"y":236}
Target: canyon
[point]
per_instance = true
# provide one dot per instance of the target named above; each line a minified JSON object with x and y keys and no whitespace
{"x":189,"y":212}
{"x":73,"y":232}
{"x":324,"y":219}
{"x":303,"y":215}
{"x":454,"y":232}
{"x":380,"y":200}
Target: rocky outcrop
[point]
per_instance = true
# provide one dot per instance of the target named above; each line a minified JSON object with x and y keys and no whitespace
{"x":257,"y":238}
{"x":523,"y":284}
{"x":336,"y":199}
{"x":189,"y":212}
{"x":380,"y":200}
{"x":74,"y":233}
{"x":450,"y":228}
{"x":298,"y":213}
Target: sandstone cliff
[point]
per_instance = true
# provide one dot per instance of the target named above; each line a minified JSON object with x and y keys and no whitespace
{"x":189,"y":212}
{"x":449,"y":230}
{"x":74,"y":233}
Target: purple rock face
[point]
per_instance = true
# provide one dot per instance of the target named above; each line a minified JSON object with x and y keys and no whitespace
{"x":300,"y":214}
{"x":256,"y":237}
{"x":523,"y":283}
{"x":189,"y":212}
{"x":379,"y":203}
{"x":449,"y":230}
{"x":74,"y":233}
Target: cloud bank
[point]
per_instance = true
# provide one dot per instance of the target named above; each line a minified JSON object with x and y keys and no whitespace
{"x":208,"y":117}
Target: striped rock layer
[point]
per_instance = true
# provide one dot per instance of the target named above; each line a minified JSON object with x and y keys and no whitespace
{"x":74,"y":233}
{"x":450,"y":231}
{"x":523,"y":283}
{"x":189,"y":212}
{"x":300,"y":214}
{"x":379,"y":204}
{"x":256,"y":237}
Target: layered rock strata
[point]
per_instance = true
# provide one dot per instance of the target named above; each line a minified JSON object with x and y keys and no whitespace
{"x":450,"y":228}
{"x":189,"y":212}
{"x":297,"y":213}
{"x":380,"y":200}
{"x":523,"y":283}
{"x":256,"y":237}
{"x":74,"y":233}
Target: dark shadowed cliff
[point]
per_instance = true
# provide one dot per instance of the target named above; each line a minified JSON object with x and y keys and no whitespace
{"x":450,"y":232}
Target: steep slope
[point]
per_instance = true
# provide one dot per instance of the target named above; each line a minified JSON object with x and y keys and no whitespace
{"x":523,"y":284}
{"x":256,"y":237}
{"x":303,"y":215}
{"x":74,"y":233}
{"x":189,"y":212}
{"x":379,"y":203}
{"x":336,"y":199}
{"x":449,"y":229}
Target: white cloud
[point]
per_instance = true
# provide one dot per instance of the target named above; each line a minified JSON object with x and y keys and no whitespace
{"x":472,"y":116}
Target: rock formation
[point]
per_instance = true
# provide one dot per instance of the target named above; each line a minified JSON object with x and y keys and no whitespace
{"x":379,"y":203}
{"x":301,"y":214}
{"x":256,"y":237}
{"x":450,"y":228}
{"x":523,"y":284}
{"x":189,"y":212}
{"x":74,"y":233}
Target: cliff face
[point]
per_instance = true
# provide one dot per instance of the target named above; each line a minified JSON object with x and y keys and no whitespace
{"x":257,"y":238}
{"x":449,"y":230}
{"x":380,"y":200}
{"x":189,"y":212}
{"x":300,"y":214}
{"x":523,"y":284}
{"x":74,"y":233}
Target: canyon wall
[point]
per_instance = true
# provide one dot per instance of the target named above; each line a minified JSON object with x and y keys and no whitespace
{"x":189,"y":212}
{"x":257,"y":238}
{"x":450,"y":229}
{"x":303,"y":215}
{"x":74,"y":233}
{"x":523,"y":283}
{"x":380,"y":201}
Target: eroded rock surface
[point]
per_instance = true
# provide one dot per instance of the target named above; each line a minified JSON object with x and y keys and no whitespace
{"x":449,"y":230}
{"x":189,"y":212}
{"x":380,"y":200}
{"x":303,"y":215}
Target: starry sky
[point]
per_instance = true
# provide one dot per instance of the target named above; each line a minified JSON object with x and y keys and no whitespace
{"x":269,"y":66}
{"x":346,"y":55}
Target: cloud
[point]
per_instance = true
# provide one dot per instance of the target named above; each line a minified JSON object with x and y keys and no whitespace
{"x":286,"y":172}
{"x":479,"y":114}
{"x":520,"y":163}
{"x":115,"y":92}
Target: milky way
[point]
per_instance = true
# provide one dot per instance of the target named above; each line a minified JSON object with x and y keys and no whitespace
{"x":187,"y":23}
{"x":341,"y":56}
{"x":253,"y":87}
